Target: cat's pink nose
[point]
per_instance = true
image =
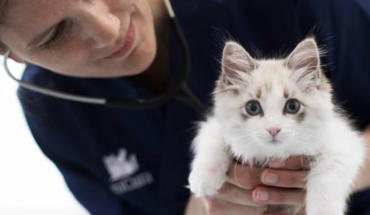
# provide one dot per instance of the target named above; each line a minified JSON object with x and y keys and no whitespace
{"x":274,"y":131}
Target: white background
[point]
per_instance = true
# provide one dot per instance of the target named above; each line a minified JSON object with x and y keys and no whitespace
{"x":29,"y":183}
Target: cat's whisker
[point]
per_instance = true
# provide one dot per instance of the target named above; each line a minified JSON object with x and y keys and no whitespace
{"x":234,"y":130}
{"x":316,"y":148}
{"x":311,"y":136}
{"x":244,"y":136}
{"x":240,"y":137}
{"x":237,"y":133}
{"x":235,"y":175}
{"x":302,"y":148}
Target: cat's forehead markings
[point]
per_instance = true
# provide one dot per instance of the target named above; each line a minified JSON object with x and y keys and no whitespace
{"x":268,"y":86}
{"x":294,"y":94}
{"x":289,"y":93}
{"x":300,"y":117}
{"x":259,"y":93}
{"x":286,"y":93}
{"x":244,"y":117}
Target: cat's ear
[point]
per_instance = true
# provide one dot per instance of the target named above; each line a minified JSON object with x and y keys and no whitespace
{"x":304,"y":61}
{"x":236,"y":62}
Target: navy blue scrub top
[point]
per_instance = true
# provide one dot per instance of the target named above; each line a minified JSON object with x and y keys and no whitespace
{"x":117,"y":161}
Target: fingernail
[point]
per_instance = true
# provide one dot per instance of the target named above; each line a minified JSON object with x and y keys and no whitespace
{"x":305,"y":162}
{"x":270,"y":178}
{"x":277,"y":163}
{"x":262,"y":196}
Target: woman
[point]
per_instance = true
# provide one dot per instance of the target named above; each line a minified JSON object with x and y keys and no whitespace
{"x":118,"y":161}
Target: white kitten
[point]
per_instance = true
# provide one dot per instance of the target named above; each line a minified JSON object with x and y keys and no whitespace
{"x":276,"y":109}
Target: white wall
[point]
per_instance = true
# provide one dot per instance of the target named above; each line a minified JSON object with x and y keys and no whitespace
{"x":29,"y":183}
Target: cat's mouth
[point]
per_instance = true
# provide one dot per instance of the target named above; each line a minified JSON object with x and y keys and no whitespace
{"x":274,"y":140}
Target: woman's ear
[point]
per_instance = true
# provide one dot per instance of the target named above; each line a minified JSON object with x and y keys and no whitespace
{"x":13,"y":56}
{"x":16,"y":58}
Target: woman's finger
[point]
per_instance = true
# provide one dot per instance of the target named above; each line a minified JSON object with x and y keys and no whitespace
{"x":279,"y":196}
{"x":244,"y":176}
{"x":291,"y":163}
{"x":300,"y":212}
{"x":217,"y":207}
{"x":284,"y":178}
{"x":233,"y":194}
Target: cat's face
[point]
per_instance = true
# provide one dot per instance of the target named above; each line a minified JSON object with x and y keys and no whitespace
{"x":272,"y":106}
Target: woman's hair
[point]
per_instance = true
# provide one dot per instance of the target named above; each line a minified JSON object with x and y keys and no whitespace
{"x":2,"y":6}
{"x":2,"y":3}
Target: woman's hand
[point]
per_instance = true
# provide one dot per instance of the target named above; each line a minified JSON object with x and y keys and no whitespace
{"x":249,"y":191}
{"x":283,"y":183}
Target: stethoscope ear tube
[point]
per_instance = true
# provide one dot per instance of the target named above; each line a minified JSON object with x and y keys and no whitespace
{"x":186,"y":95}
{"x":181,"y":90}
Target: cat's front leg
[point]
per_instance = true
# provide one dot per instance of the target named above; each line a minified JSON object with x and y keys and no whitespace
{"x":211,"y":160}
{"x":332,"y":175}
{"x":326,"y":195}
{"x":328,"y":187}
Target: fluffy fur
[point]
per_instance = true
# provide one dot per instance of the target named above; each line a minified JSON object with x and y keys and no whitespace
{"x":317,"y":129}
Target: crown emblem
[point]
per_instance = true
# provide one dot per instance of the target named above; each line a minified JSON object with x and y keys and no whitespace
{"x":118,"y":166}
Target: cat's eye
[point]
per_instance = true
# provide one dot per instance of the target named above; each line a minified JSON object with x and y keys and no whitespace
{"x":253,"y":108}
{"x":292,"y":106}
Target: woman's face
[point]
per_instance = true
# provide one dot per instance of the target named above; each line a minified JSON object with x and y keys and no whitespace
{"x":84,"y":38}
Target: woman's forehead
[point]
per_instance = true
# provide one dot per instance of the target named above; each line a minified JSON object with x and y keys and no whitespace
{"x":24,"y":19}
{"x":34,"y":10}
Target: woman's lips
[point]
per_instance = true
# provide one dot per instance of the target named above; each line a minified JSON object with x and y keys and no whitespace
{"x":125,"y":45}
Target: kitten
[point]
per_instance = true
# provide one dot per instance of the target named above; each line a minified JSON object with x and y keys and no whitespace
{"x":275,"y":109}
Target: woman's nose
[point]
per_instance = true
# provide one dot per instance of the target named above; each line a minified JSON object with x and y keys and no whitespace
{"x":101,"y":28}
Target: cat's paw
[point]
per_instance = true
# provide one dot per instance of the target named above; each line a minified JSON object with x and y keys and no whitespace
{"x":326,"y":212}
{"x":283,"y":209}
{"x":206,"y":181}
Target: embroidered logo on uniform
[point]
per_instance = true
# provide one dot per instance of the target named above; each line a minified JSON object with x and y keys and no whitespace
{"x":120,"y":166}
{"x":121,"y":169}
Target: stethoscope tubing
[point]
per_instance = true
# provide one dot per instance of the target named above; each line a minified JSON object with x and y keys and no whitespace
{"x":49,"y":92}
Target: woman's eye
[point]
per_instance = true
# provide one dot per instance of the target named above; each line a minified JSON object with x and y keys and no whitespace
{"x":253,"y":108}
{"x":56,"y":36}
{"x":292,"y":106}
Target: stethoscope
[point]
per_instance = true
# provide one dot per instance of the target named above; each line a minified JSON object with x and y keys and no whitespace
{"x":179,"y":91}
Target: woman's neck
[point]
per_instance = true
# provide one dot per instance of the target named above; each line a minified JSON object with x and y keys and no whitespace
{"x":154,"y":78}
